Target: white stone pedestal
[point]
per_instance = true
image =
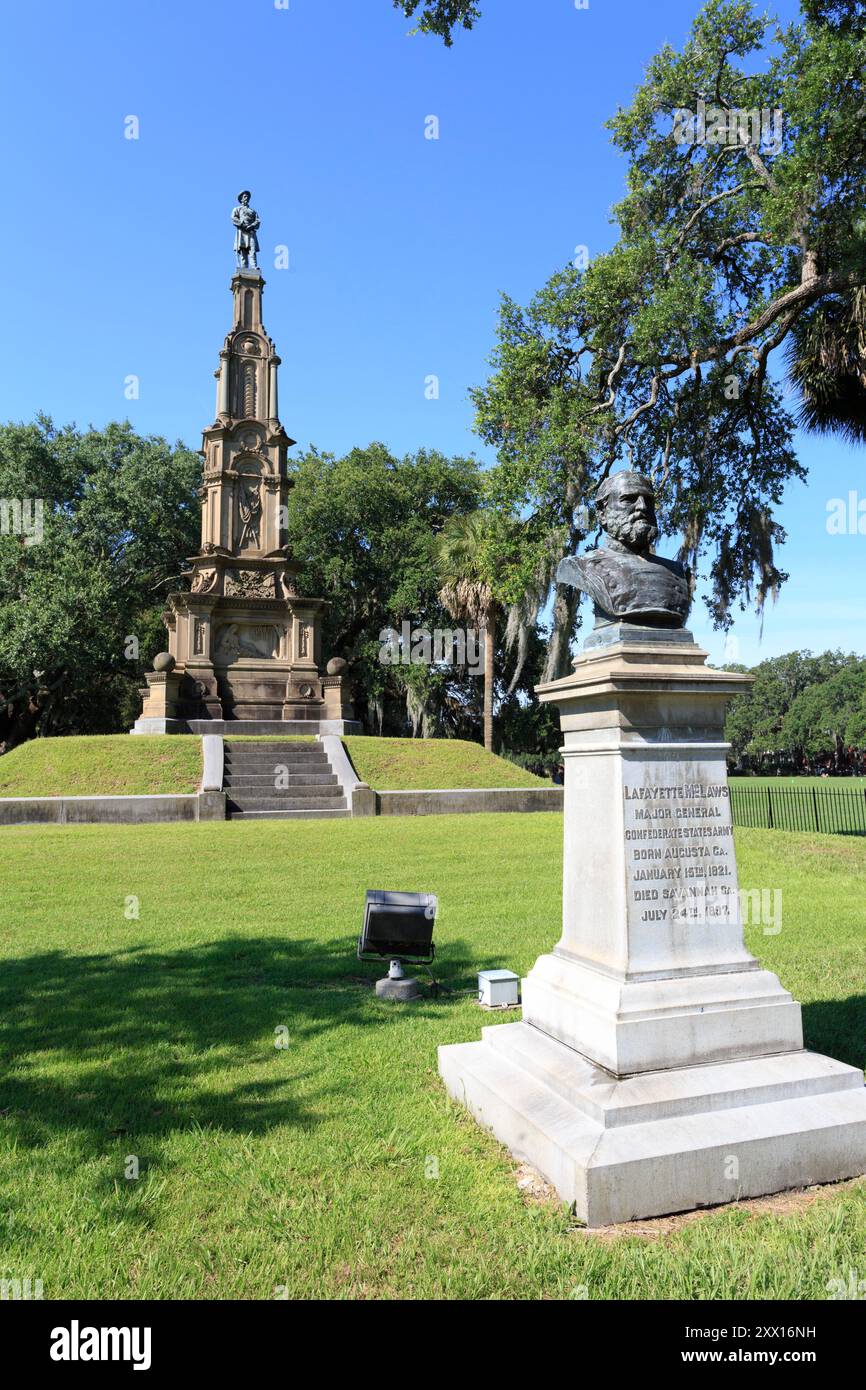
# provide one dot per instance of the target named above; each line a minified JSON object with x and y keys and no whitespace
{"x":658,"y":1067}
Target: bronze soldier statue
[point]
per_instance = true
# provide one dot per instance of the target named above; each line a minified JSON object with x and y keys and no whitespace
{"x":247,"y":222}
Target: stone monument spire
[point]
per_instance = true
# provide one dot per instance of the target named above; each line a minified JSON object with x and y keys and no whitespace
{"x":243,"y":644}
{"x":246,"y":484}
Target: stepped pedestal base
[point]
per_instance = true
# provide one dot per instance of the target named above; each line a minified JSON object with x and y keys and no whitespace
{"x":638,"y":1025}
{"x":664,"y":1141}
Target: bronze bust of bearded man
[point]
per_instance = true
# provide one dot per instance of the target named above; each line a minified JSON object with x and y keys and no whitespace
{"x":625,"y":580}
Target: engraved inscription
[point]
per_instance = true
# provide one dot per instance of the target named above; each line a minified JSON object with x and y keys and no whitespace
{"x":679,"y":852}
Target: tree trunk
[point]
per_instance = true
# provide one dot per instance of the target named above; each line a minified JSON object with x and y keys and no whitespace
{"x":809,"y":270}
{"x":489,"y":646}
{"x":566,"y":601}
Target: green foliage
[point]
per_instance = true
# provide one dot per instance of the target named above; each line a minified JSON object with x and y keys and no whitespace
{"x":121,"y":513}
{"x":836,"y":14}
{"x":657,"y":354}
{"x":524,"y":725}
{"x":466,"y":561}
{"x":831,"y":715}
{"x":464,"y":568}
{"x":440,"y":16}
{"x":364,"y":528}
{"x":367,"y":530}
{"x":800,"y":704}
{"x":826,"y":356}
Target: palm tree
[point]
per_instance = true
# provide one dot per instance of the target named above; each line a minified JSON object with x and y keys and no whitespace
{"x":466,"y":593}
{"x":827,"y":360}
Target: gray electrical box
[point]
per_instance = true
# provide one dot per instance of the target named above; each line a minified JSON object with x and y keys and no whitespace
{"x":498,"y":989}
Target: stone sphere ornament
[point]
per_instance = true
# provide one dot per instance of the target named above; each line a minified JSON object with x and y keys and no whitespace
{"x":336,"y":666}
{"x":164,"y":662}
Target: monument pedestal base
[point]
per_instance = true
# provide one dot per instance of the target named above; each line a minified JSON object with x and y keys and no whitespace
{"x":663,"y":1141}
{"x":658,"y":1066}
{"x":654,"y":1024}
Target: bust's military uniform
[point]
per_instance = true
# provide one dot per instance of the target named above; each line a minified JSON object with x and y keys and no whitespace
{"x":626,"y":587}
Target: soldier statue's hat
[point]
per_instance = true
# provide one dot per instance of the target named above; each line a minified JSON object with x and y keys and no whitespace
{"x":244,"y":193}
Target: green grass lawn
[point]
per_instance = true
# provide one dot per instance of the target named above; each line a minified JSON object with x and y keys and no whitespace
{"x":153,"y":1035}
{"x":102,"y":765}
{"x":425,"y":764}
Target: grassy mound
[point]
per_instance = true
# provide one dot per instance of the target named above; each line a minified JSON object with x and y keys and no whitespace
{"x":116,"y":764}
{"x":428,"y":764}
{"x":290,"y":1128}
{"x":102,"y":765}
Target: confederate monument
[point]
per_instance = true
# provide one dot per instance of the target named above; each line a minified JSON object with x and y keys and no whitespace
{"x":658,"y":1067}
{"x":244,"y":645}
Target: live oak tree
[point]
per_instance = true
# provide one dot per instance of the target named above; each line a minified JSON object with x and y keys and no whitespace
{"x":440,"y":17}
{"x":742,"y":232}
{"x":364,"y":528}
{"x":800,"y":704}
{"x":80,"y":604}
{"x":829,"y":717}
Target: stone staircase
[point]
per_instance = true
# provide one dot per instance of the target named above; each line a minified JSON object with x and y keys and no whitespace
{"x":280,"y":780}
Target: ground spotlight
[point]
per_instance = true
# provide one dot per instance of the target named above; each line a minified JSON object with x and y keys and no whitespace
{"x":398,"y":927}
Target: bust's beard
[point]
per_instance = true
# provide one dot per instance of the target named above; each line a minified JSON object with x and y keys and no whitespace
{"x":637,"y":534}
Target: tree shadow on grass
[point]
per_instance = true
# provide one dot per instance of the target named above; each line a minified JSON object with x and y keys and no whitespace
{"x":835,"y":1027}
{"x":139,"y":1042}
{"x":110,"y":1048}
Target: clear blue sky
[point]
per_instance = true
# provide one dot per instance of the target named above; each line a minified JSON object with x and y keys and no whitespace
{"x":118,"y":252}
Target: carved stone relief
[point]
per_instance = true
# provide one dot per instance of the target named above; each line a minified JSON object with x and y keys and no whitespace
{"x":205,"y":581}
{"x":234,"y":640}
{"x":249,"y":584}
{"x":249,"y":515}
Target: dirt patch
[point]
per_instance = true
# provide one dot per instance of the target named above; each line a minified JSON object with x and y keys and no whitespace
{"x":534,"y":1187}
{"x":537,"y":1190}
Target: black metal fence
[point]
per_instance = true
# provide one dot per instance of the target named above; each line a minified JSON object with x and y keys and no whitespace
{"x":829,"y":810}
